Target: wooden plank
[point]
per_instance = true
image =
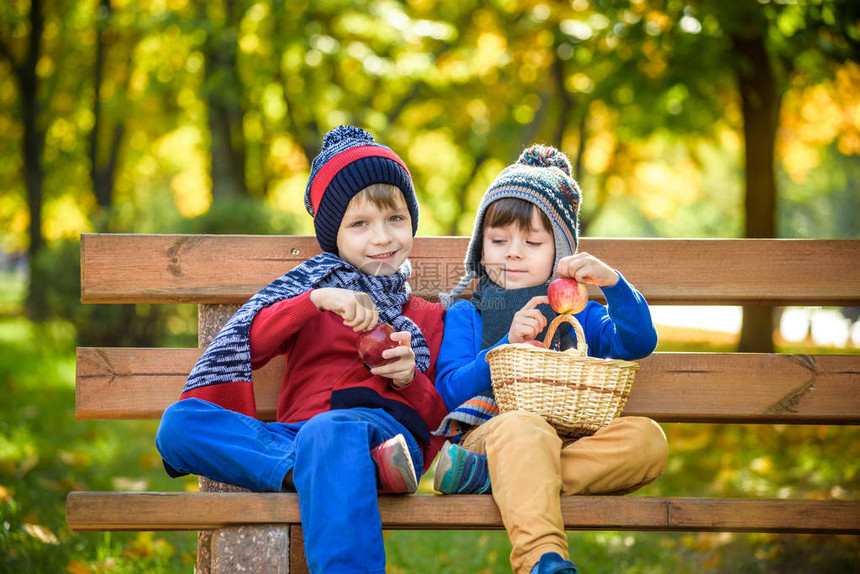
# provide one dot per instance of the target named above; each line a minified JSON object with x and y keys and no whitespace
{"x":747,"y":387}
{"x":132,"y":383}
{"x":127,"y":383}
{"x":202,"y":511}
{"x":298,"y":561}
{"x":118,"y":268}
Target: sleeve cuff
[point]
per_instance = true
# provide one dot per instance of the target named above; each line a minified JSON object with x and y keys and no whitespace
{"x":414,"y":392}
{"x":621,"y":294}
{"x":305,"y":308}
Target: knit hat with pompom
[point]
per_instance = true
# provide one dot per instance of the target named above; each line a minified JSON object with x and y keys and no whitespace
{"x":542,"y":176}
{"x":349,"y":161}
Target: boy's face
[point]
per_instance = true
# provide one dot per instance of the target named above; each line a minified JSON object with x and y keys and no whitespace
{"x":376,"y":240}
{"x":516,"y":258}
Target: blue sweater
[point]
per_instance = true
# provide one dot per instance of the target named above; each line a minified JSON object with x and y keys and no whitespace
{"x":622,"y":329}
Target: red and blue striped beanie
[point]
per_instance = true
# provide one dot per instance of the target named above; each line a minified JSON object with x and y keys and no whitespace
{"x":350,"y":160}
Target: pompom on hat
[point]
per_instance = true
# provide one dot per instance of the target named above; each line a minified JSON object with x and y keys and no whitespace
{"x":542,"y":176}
{"x":349,"y":161}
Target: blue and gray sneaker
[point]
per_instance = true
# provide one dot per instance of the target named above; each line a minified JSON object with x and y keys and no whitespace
{"x":460,"y":471}
{"x":553,"y":563}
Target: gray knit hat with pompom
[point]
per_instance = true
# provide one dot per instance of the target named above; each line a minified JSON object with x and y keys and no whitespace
{"x":542,"y":176}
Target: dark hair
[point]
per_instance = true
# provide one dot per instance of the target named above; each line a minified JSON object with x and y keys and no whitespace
{"x":510,"y":210}
{"x":383,"y":195}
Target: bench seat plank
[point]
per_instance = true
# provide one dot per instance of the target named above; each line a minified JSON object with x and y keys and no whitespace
{"x":135,"y":383}
{"x":136,"y":268}
{"x":88,"y":511}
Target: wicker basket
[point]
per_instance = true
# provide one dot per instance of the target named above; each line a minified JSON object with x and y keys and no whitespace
{"x":575,"y":393}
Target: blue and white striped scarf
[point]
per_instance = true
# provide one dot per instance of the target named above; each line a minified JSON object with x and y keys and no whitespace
{"x":227,"y":359}
{"x":474,"y":412}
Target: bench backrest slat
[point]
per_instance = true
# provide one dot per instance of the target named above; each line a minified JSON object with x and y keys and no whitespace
{"x":118,"y":268}
{"x":130,"y":383}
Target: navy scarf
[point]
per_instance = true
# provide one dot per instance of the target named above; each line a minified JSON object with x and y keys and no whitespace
{"x":498,"y":307}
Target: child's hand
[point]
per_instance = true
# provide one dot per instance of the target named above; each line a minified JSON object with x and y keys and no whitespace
{"x":587,"y":268}
{"x":528,"y":321}
{"x":401,"y":369}
{"x":356,"y":308}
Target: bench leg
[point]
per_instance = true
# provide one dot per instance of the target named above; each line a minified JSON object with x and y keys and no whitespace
{"x":298,"y":562}
{"x":271,"y":559}
{"x":264,"y":549}
{"x":259,"y":549}
{"x":204,"y":552}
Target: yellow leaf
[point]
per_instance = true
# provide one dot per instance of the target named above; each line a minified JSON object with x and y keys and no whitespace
{"x":106,"y":565}
{"x":76,"y":459}
{"x":127,"y":483}
{"x":41,"y":533}
{"x":712,"y":561}
{"x":27,"y":464}
{"x":76,"y":567}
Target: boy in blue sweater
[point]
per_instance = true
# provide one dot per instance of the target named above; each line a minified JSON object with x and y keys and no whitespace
{"x":526,"y":232}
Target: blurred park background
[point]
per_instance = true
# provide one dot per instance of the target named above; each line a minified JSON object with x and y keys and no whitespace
{"x":682,"y":118}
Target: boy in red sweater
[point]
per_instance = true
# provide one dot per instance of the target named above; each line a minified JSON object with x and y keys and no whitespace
{"x":344,"y":430}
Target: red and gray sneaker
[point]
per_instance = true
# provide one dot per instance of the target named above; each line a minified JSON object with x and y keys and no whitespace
{"x":395,"y":473}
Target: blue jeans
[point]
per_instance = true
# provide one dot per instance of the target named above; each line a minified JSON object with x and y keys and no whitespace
{"x":329,"y":455}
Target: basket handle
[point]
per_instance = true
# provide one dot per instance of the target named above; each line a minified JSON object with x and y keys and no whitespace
{"x":581,"y":346}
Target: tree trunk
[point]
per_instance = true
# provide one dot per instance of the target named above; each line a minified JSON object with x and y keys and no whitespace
{"x":227,"y":148}
{"x":34,"y":143}
{"x":102,"y":174}
{"x":224,"y":95}
{"x":760,"y":102}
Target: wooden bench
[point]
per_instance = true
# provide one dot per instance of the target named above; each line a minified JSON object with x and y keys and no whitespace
{"x":220,"y":272}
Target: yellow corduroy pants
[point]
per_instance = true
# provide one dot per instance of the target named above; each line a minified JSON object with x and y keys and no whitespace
{"x":531,"y":467}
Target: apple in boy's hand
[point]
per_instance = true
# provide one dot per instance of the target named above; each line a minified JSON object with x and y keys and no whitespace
{"x":370,"y":344}
{"x":567,"y":296}
{"x":536,"y":343}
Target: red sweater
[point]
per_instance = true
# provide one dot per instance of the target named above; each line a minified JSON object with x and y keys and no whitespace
{"x":324,"y":372}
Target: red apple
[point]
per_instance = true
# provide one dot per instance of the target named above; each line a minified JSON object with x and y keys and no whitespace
{"x":536,"y":343}
{"x":567,"y":296}
{"x":370,"y":344}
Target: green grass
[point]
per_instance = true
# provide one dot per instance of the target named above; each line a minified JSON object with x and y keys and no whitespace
{"x":45,"y":453}
{"x":11,"y":292}
{"x":453,"y":552}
